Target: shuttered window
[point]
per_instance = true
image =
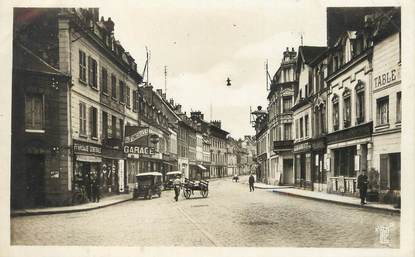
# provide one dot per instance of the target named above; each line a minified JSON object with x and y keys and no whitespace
{"x":34,"y":112}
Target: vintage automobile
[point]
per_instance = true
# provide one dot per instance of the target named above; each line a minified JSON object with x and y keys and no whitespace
{"x":147,"y":184}
{"x":170,"y":177}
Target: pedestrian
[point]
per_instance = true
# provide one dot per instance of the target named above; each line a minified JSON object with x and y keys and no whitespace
{"x":362,"y":182}
{"x":251,"y":183}
{"x":95,"y":188}
{"x":176,"y":185}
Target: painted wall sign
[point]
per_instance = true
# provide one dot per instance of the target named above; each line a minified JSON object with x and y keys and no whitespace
{"x":83,"y":147}
{"x":385,"y":78}
{"x":139,"y":150}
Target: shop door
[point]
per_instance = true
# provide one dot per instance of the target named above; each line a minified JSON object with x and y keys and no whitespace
{"x":35,"y":181}
{"x":395,"y":171}
{"x":288,"y":171}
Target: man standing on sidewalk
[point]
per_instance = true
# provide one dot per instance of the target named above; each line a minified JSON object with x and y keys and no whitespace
{"x":362,"y":185}
{"x":251,"y":183}
{"x":176,"y":186}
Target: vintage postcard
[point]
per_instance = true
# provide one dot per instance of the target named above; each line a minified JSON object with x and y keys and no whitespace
{"x":201,"y":128}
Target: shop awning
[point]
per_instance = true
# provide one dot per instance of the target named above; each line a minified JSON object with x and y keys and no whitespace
{"x":201,"y":166}
{"x":88,"y":158}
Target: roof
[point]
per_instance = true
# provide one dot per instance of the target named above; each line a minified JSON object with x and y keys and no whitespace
{"x":149,"y":174}
{"x":26,"y":60}
{"x":174,"y":173}
{"x":308,"y":53}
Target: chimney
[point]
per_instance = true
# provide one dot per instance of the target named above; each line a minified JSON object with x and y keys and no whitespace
{"x":178,"y":108}
{"x":109,"y":24}
{"x":159,"y":91}
{"x":163,"y":95}
{"x":216,"y":123}
{"x":171,"y":102}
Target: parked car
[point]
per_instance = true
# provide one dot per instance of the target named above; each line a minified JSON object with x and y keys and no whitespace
{"x":147,"y":184}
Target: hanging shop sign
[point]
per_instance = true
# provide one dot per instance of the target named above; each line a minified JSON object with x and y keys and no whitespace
{"x":357,"y":162}
{"x":136,"y":135}
{"x":121,"y":175}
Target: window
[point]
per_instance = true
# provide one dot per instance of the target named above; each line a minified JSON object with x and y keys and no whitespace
{"x":398,"y":107}
{"x":113,"y":86}
{"x":104,"y":125}
{"x":322,"y":119}
{"x":335,"y":113}
{"x":306,"y":125}
{"x":360,"y":106}
{"x":135,"y":101}
{"x":347,"y":111}
{"x":287,"y":131}
{"x":382,"y":110}
{"x":104,"y":80}
{"x":114,"y":127}
{"x":122,"y":91}
{"x":82,"y":119}
{"x":301,"y":128}
{"x":121,"y":129}
{"x":34,"y":112}
{"x":128,"y":96}
{"x":82,"y":66}
{"x":286,"y":104}
{"x":306,"y":91}
{"x":94,"y":122}
{"x":92,"y":72}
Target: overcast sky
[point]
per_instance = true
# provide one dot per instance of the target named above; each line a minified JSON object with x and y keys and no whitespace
{"x":202,"y":44}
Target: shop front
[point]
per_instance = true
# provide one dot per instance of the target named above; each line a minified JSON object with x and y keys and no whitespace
{"x":319,"y":173}
{"x":349,"y":153}
{"x":303,"y":175}
{"x":87,"y":165}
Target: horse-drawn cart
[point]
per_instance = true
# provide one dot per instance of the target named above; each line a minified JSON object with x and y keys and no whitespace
{"x":189,"y":186}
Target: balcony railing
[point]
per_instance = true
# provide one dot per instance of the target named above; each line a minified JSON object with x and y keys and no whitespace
{"x":342,"y":184}
{"x":283,"y":145}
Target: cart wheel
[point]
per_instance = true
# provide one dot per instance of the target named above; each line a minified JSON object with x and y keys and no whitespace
{"x":150,"y":196}
{"x":186,"y":193}
{"x":204,"y":193}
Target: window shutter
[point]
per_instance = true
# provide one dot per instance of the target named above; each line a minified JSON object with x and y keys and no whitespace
{"x":90,"y":70}
{"x":384,"y":171}
{"x":91,"y":120}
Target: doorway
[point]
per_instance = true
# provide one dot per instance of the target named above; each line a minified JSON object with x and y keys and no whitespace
{"x":287,"y":168}
{"x":35,"y":180}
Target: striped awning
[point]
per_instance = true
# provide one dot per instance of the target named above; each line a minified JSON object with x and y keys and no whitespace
{"x":201,"y":166}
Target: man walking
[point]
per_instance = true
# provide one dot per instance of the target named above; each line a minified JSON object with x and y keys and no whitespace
{"x":251,"y":183}
{"x":362,"y":185}
{"x":176,"y":186}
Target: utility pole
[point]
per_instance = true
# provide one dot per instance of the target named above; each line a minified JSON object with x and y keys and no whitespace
{"x":266,"y":73}
{"x":165,"y":79}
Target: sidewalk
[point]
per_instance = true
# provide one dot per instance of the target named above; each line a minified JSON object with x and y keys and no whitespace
{"x":104,"y":202}
{"x":321,"y":196}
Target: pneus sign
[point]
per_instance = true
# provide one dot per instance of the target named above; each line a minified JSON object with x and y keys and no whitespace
{"x":138,"y":140}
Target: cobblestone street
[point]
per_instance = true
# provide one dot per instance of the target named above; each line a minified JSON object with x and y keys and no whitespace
{"x":230,"y":216}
